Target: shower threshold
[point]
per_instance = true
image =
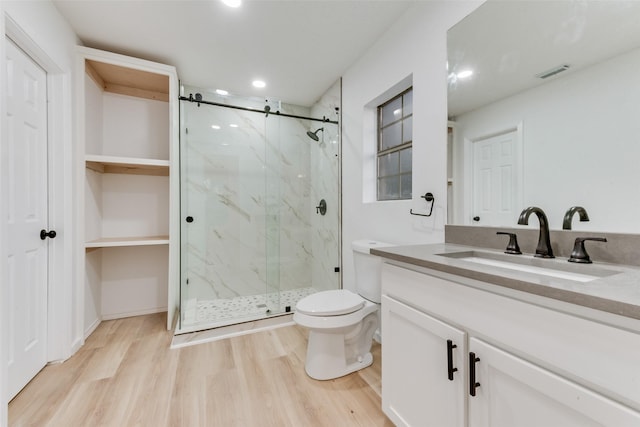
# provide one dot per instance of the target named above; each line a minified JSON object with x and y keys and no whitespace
{"x":229,"y":331}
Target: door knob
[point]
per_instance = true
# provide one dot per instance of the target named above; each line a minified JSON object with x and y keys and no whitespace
{"x":51,"y":234}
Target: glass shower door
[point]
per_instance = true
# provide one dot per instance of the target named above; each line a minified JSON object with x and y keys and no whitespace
{"x":223,"y":254}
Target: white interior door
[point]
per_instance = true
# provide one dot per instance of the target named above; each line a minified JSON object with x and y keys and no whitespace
{"x":27,"y":261}
{"x":495,"y":178}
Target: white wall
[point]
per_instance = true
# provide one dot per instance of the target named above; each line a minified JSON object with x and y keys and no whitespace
{"x":4,"y":302}
{"x":580,"y":139}
{"x":46,"y":36}
{"x":414,"y":46}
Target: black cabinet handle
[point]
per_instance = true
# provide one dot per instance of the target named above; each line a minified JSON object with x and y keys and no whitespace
{"x":472,"y":373}
{"x":189,"y":219}
{"x":450,"y":368}
{"x":51,"y":234}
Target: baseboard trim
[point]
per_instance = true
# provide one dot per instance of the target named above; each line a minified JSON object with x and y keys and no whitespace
{"x":92,"y":328}
{"x":133,"y":313}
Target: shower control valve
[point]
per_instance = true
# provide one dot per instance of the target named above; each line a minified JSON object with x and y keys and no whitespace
{"x":322,"y":207}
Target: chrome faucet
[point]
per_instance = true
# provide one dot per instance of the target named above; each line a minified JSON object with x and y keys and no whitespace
{"x":566,"y":222}
{"x":544,"y":242}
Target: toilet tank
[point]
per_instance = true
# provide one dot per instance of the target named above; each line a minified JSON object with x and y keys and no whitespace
{"x":368,"y":269}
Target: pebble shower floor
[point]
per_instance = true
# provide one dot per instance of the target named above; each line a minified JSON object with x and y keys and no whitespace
{"x":217,"y":310}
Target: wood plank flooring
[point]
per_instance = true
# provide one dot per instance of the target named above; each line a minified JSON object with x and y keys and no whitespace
{"x":126,"y":375}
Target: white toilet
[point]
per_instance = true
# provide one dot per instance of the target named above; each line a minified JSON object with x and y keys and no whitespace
{"x":342,"y":323}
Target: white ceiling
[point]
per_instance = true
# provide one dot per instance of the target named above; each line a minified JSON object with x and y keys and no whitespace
{"x":299,"y":47}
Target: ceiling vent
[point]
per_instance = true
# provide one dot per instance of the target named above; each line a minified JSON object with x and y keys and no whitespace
{"x":553,"y":71}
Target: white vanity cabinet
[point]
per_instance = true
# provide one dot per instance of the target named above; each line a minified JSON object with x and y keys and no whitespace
{"x":531,"y":365}
{"x":422,"y":368}
{"x":128,"y":140}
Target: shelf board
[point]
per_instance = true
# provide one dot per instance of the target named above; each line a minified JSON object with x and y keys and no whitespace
{"x":128,"y":81}
{"x":127,"y":165}
{"x":112,"y":242}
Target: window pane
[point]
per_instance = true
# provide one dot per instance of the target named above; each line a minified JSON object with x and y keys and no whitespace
{"x":392,"y":111}
{"x":391,"y":136}
{"x":407,"y":129}
{"x":405,"y":160}
{"x":388,"y":188}
{"x":395,"y":135}
{"x":388,"y":164}
{"x":407,"y":107}
{"x":405,"y":186}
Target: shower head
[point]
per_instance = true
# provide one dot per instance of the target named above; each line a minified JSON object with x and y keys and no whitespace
{"x":314,"y":135}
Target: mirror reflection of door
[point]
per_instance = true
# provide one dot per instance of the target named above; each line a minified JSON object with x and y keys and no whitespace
{"x":495,"y":178}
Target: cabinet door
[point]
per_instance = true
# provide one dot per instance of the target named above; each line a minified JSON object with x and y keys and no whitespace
{"x":513,"y":392}
{"x":416,"y":388}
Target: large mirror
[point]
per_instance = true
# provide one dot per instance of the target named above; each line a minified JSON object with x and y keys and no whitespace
{"x":544,"y":110}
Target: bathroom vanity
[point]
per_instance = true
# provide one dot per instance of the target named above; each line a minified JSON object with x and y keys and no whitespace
{"x":479,"y":338}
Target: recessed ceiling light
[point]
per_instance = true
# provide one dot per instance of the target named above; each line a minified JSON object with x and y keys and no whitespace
{"x":258,"y":83}
{"x":232,"y":3}
{"x":233,"y":125}
{"x":464,"y":74}
{"x":222,"y":92}
{"x":215,"y":127}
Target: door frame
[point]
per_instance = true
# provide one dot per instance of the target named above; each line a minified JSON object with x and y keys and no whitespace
{"x":63,"y":312}
{"x":468,"y":168}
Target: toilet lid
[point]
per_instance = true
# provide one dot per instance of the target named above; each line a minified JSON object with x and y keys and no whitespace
{"x":330,"y":303}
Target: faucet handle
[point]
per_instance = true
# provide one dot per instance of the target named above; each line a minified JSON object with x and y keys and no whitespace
{"x":512,"y":247}
{"x":579,"y":253}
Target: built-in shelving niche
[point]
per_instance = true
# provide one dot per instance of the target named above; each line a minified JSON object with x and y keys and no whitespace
{"x":127,"y":190}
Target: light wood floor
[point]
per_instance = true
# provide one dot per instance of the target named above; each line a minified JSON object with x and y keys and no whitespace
{"x":126,"y":375}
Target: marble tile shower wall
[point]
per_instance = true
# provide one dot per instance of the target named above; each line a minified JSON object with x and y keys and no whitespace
{"x":325,"y":184}
{"x":251,"y":190}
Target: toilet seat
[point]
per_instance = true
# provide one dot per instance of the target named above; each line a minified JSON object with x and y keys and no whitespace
{"x":330,"y":303}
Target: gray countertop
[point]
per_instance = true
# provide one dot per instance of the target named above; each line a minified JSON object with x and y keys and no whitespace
{"x":616,"y":290}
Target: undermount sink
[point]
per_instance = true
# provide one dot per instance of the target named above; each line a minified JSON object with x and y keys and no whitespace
{"x":526,"y":264}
